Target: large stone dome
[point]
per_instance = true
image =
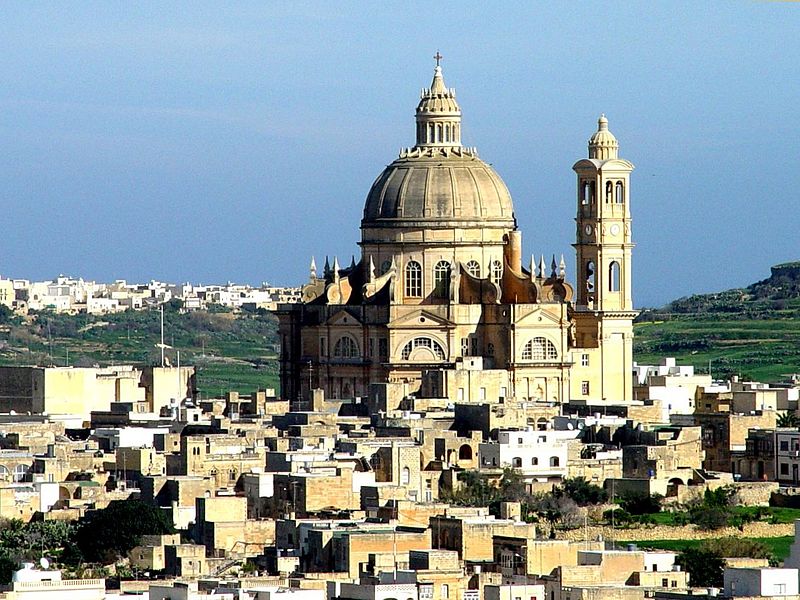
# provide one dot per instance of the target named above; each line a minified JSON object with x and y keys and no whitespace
{"x":432,"y":189}
{"x":438,"y":183}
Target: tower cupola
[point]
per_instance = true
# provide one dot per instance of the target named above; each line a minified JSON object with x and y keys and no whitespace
{"x":438,"y":114}
{"x":603,"y":145}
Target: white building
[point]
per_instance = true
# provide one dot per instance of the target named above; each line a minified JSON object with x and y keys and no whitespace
{"x":768,"y":582}
{"x":540,"y":455}
{"x":675,"y":386}
{"x":388,"y":586}
{"x":514,"y":592}
{"x":283,"y":593}
{"x":32,"y":584}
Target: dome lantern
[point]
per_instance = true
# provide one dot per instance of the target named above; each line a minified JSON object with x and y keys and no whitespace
{"x":438,"y":114}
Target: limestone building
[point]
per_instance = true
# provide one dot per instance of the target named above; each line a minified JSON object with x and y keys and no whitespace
{"x":440,"y":295}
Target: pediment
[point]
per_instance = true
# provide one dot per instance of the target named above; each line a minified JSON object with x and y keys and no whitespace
{"x":343,"y":318}
{"x":420,"y":318}
{"x":539,"y":317}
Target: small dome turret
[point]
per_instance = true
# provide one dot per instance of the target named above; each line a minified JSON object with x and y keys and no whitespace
{"x":603,"y":145}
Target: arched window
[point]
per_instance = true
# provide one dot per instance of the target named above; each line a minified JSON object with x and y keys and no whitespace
{"x":613,"y":277}
{"x":473,"y":268}
{"x":590,"y":279}
{"x":620,"y":193}
{"x":430,"y":133}
{"x":434,"y":348}
{"x":554,"y":461}
{"x":438,"y":133}
{"x":490,"y":349}
{"x":516,"y":462}
{"x":413,"y":279}
{"x":609,"y":191}
{"x":405,"y":476}
{"x":585,"y":197}
{"x":465,"y":452}
{"x":534,"y":461}
{"x":497,"y":271}
{"x":5,"y":474}
{"x":539,"y":348}
{"x":346,"y":347}
{"x":441,"y":279}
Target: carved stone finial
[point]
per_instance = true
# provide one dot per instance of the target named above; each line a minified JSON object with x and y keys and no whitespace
{"x":371,"y":274}
{"x":326,"y":270}
{"x":313,"y":270}
{"x":542,"y":268}
{"x":336,"y":268}
{"x":533,"y":267}
{"x":553,"y":267}
{"x":562,"y":268}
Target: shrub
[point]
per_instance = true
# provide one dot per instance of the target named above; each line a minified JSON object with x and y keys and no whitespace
{"x":581,"y":491}
{"x":642,"y":504}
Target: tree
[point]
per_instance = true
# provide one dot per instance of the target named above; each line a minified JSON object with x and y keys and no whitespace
{"x":174,"y":305}
{"x":512,"y":487}
{"x":714,"y":511}
{"x":706,"y":568}
{"x":788,"y":419}
{"x":107,"y":535}
{"x":474,"y":490}
{"x":642,"y":504}
{"x":556,"y":509}
{"x":581,"y":491}
{"x":6,"y":315}
{"x":477,"y":490}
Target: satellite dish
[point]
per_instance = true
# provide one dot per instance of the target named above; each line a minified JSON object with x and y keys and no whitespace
{"x":44,"y":563}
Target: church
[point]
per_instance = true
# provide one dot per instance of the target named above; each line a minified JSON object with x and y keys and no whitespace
{"x":441,"y":299}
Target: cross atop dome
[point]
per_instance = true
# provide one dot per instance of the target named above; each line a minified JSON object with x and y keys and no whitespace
{"x":437,"y":57}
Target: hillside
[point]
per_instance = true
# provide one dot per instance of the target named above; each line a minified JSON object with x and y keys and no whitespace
{"x":231,"y":351}
{"x":752,"y":331}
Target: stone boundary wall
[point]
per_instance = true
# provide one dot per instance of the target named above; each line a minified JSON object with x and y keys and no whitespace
{"x":665,"y":532}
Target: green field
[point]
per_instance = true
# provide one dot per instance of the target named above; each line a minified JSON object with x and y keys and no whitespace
{"x":761,"y":349}
{"x":771,"y":514}
{"x":231,"y":351}
{"x":778,"y":546}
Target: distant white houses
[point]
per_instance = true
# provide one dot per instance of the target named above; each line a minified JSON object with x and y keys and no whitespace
{"x":69,"y":295}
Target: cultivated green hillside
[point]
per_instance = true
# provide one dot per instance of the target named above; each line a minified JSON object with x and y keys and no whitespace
{"x":752,"y":331}
{"x":231,"y":351}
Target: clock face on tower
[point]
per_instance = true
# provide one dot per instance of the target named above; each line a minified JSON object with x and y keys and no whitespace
{"x":588,"y":230}
{"x":615,"y":229}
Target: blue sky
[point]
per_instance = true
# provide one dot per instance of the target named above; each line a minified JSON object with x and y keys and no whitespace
{"x":194,"y":141}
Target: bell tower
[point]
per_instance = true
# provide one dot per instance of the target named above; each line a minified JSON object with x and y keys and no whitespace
{"x":604,"y":310}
